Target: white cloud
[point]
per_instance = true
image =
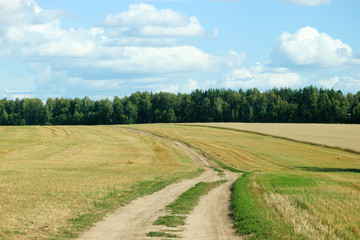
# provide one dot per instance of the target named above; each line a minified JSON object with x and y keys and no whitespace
{"x":347,"y":83}
{"x":308,"y":47}
{"x":81,"y":60}
{"x":235,"y":59}
{"x":16,"y":11}
{"x":146,"y":14}
{"x":309,"y":2}
{"x":262,"y":77}
{"x":16,"y":91}
{"x":146,"y":20}
{"x":193,"y":28}
{"x":48,"y":39}
{"x":190,"y":86}
{"x":102,"y":49}
{"x":329,"y":83}
{"x":158,"y":59}
{"x":25,"y":11}
{"x":59,"y":83}
{"x":170,"y":89}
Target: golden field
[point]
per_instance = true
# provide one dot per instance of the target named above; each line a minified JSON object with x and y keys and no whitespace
{"x":55,"y":181}
{"x":318,"y":185}
{"x":344,"y":136}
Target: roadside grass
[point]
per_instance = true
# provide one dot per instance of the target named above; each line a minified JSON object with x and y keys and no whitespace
{"x":57,"y":181}
{"x":307,"y":206}
{"x":252,"y":218}
{"x":295,"y":190}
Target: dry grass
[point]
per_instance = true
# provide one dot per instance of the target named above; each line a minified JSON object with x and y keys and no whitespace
{"x":49,"y":175}
{"x":302,"y":221}
{"x":314,"y":189}
{"x":344,"y":136}
{"x":249,"y":151}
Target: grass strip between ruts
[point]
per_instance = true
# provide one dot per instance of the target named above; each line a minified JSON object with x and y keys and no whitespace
{"x":189,"y":199}
{"x":183,"y":205}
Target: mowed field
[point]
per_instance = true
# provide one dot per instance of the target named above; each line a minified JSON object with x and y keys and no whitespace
{"x":343,"y":136}
{"x":56,"y":181}
{"x":294,"y":190}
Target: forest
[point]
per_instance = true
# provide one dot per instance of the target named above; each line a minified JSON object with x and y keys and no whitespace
{"x":285,"y":105}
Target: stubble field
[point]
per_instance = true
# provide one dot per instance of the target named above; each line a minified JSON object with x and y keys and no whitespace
{"x":56,"y":181}
{"x":342,"y":136}
{"x":296,"y":190}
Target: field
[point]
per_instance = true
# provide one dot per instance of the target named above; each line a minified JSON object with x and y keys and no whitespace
{"x":343,"y":136}
{"x":56,"y":181}
{"x":297,"y":190}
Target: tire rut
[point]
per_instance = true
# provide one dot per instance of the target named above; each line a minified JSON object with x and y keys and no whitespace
{"x":209,"y":220}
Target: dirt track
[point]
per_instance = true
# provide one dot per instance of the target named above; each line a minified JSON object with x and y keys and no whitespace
{"x":209,"y":220}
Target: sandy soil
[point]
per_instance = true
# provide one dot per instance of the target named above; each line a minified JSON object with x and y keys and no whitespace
{"x":209,"y":220}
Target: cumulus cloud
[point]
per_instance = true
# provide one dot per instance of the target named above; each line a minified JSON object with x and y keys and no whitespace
{"x":95,"y":48}
{"x":308,"y":47}
{"x":158,"y":59}
{"x":193,"y":28}
{"x":58,"y":82}
{"x":147,"y":20}
{"x":347,"y":83}
{"x":235,"y":59}
{"x":18,"y":11}
{"x":25,"y":11}
{"x":190,"y":86}
{"x":48,"y":39}
{"x":130,"y":45}
{"x":185,"y":86}
{"x":146,"y":14}
{"x":262,"y":77}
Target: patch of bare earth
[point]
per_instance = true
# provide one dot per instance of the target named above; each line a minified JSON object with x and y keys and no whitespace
{"x":209,"y":220}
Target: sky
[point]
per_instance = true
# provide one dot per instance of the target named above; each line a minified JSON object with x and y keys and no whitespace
{"x":107,"y":48}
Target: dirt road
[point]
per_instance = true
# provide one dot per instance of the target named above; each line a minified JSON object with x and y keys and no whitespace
{"x":209,"y":220}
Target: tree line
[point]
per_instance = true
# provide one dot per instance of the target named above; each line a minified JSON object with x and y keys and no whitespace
{"x":285,"y":105}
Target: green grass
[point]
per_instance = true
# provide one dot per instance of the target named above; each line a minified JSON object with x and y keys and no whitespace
{"x":171,"y":221}
{"x":162,"y":234}
{"x":189,"y":199}
{"x":247,"y":217}
{"x":252,"y":218}
{"x":217,"y":169}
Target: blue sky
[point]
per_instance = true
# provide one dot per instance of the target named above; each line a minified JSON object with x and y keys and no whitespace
{"x":63,"y":48}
